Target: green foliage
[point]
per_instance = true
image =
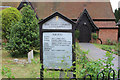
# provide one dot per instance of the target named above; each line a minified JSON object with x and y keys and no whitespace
{"x":87,"y":67}
{"x":117,"y":15}
{"x":24,"y":35}
{"x":0,"y":34}
{"x":7,"y":72}
{"x":90,"y":66}
{"x":35,"y":62}
{"x":108,"y":63}
{"x":9,"y":15}
{"x":117,"y":48}
{"x":110,"y":48}
{"x":77,"y":34}
{"x":109,"y":41}
{"x":94,"y":36}
{"x":34,"y":72}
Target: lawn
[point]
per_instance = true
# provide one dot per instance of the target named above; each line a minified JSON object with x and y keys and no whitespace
{"x":110,"y":48}
{"x":25,"y":70}
{"x":21,"y":70}
{"x":28,"y":70}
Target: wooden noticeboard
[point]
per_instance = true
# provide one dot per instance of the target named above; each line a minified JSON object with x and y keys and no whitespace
{"x":56,"y":43}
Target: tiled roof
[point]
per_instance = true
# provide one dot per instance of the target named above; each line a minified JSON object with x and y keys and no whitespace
{"x":72,"y":10}
{"x":97,"y":10}
{"x":107,"y":24}
{"x":12,"y":4}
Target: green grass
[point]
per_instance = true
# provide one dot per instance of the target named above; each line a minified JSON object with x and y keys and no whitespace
{"x":21,"y":70}
{"x":28,"y":70}
{"x":109,"y":48}
{"x":101,"y":45}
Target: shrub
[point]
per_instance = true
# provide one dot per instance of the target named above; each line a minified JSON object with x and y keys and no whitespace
{"x":109,"y":42}
{"x":94,"y":36}
{"x":117,"y":48}
{"x":90,"y":66}
{"x":77,"y":34}
{"x":24,"y":35}
{"x":7,"y":72}
{"x":9,"y":15}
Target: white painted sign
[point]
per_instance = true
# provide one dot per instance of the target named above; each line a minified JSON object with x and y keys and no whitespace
{"x":57,"y":23}
{"x":57,"y":50}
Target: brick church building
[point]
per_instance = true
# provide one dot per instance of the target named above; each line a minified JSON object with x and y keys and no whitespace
{"x":90,"y":17}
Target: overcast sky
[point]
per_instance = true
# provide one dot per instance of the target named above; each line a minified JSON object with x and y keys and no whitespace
{"x":114,"y":4}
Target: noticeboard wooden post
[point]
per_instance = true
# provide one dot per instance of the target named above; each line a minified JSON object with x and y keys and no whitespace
{"x":56,"y":43}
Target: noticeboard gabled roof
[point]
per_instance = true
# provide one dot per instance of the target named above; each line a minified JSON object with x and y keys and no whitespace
{"x":56,"y":14}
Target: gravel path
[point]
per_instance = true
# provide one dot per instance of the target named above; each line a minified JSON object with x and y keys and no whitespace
{"x":96,"y":53}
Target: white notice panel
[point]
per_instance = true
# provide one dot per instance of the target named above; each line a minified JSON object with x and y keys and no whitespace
{"x":57,"y":50}
{"x":57,"y":23}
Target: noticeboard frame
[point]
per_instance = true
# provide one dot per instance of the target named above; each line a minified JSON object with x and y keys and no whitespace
{"x":41,"y":31}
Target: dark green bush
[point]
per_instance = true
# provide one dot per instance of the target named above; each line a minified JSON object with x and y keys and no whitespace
{"x":24,"y":35}
{"x":94,"y":36}
{"x":8,"y":16}
{"x":109,"y":42}
{"x":111,"y":49}
{"x":77,"y":34}
{"x":117,"y":48}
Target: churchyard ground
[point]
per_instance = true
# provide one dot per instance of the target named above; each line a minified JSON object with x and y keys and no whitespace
{"x":21,"y":69}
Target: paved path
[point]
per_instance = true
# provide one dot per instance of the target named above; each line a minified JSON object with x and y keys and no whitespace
{"x":96,"y":53}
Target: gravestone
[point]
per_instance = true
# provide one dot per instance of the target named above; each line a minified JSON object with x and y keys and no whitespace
{"x":56,"y":41}
{"x":15,"y":60}
{"x":30,"y":56}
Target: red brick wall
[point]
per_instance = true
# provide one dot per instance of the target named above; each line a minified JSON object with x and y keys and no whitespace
{"x":105,"y":34}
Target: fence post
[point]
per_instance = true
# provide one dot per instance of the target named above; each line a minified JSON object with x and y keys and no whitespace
{"x":113,"y":74}
{"x":118,"y":74}
{"x":99,"y":74}
{"x":88,"y":75}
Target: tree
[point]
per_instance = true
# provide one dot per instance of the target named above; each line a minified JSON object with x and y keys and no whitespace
{"x":8,"y":16}
{"x":24,"y":35}
{"x":117,"y":15}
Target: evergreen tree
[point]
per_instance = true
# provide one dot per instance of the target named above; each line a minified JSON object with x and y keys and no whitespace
{"x":117,"y":15}
{"x":24,"y":35}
